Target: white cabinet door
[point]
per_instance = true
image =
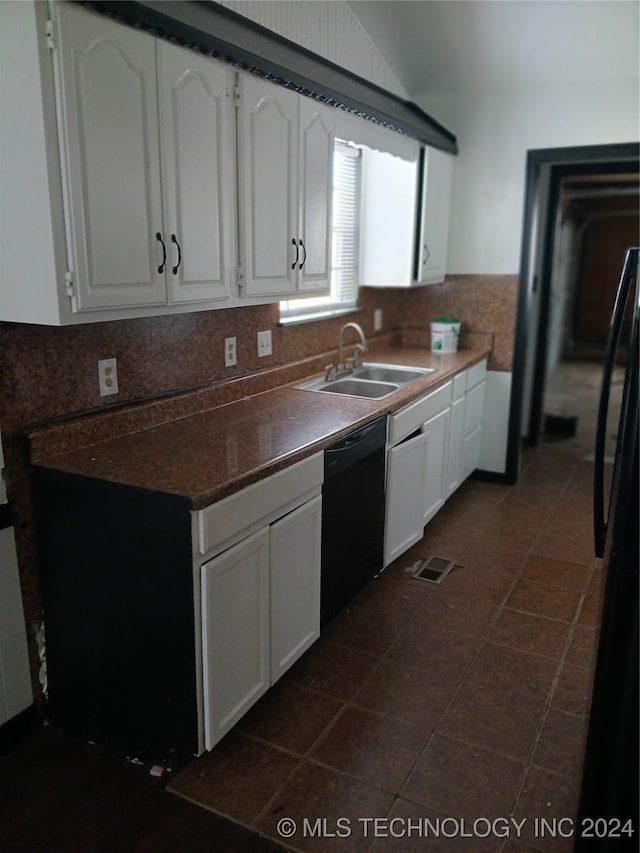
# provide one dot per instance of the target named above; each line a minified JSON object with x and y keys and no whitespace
{"x":436,"y":431}
{"x":110,"y":123}
{"x":436,"y":204}
{"x":268,"y":164}
{"x":389,"y":196}
{"x":235,"y":633}
{"x":406,"y":466}
{"x":474,"y":408}
{"x":295,"y":585}
{"x":198,"y":178}
{"x":285,"y":170}
{"x":473,"y":428}
{"x":471,"y":452}
{"x":317,"y":131}
{"x":454,"y":446}
{"x":132,"y":176}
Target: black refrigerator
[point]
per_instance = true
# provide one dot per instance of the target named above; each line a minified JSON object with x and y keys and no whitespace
{"x":608,"y":810}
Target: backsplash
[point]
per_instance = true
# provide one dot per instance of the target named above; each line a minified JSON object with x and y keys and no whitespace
{"x":50,"y":374}
{"x":486,"y":305}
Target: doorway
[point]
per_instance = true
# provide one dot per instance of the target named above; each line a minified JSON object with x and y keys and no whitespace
{"x":580,"y":203}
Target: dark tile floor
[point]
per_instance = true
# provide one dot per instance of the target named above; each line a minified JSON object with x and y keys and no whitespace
{"x":458,"y":702}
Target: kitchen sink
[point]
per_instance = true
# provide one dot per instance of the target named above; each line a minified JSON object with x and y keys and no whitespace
{"x":358,"y":387}
{"x":391,"y":373}
{"x":371,"y":380}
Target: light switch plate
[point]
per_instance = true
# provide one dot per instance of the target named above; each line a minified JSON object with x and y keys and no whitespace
{"x":264,"y":343}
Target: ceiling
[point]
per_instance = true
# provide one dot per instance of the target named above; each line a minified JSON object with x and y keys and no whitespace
{"x":444,"y":46}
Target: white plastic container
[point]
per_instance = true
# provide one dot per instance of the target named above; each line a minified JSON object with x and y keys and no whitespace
{"x":445,"y":334}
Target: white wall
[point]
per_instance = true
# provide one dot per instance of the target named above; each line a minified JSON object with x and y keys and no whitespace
{"x":495,"y":130}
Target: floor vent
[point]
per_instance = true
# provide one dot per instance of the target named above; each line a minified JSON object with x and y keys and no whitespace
{"x":434,"y":569}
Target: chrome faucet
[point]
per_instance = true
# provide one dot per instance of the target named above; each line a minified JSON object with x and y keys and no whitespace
{"x":351,"y":363}
{"x":361,"y":347}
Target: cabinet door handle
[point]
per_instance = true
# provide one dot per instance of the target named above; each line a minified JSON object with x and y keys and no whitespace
{"x":164,"y":251}
{"x":426,"y":254}
{"x":174,"y":240}
{"x":293,"y":265}
{"x":304,"y":260}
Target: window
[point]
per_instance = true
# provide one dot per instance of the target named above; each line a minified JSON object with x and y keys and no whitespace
{"x":345,"y":244}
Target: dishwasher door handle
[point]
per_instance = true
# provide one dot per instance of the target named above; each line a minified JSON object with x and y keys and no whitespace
{"x":355,"y":446}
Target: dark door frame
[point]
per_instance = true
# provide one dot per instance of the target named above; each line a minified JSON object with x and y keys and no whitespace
{"x":552,"y":164}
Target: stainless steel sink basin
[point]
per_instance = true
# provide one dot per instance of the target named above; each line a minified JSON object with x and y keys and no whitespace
{"x":371,"y":380}
{"x":358,"y":387}
{"x":391,"y":373}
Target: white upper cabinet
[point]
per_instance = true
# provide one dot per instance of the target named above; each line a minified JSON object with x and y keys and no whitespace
{"x":134,"y":140}
{"x":139,"y":178}
{"x":405,"y":217}
{"x":110,"y":125}
{"x":316,"y":191}
{"x":285,"y":157}
{"x":268,"y":200}
{"x":198,"y":171}
{"x":434,"y":226}
{"x":389,"y":199}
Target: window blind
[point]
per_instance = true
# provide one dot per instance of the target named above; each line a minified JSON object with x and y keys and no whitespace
{"x":345,"y":232}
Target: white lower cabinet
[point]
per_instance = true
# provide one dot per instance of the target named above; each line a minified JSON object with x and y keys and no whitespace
{"x":436,"y":431}
{"x":473,"y":414}
{"x":295,"y":585}
{"x":260,"y":601}
{"x":465,"y":433}
{"x":416,"y":466}
{"x":471,"y":451}
{"x":186,"y":617}
{"x":434,"y":445}
{"x":404,"y":524}
{"x":235,"y":633}
{"x":455,"y":448}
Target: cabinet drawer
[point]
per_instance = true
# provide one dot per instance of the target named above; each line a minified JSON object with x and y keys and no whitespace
{"x":260,"y":503}
{"x":410,"y":418}
{"x":476,"y":373}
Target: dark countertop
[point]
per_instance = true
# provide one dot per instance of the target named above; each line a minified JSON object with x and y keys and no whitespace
{"x":211,"y":454}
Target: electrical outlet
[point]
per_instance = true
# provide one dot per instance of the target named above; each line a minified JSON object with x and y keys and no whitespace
{"x":108,"y":376}
{"x":264,"y":343}
{"x":377,"y":319}
{"x":230,"y":355}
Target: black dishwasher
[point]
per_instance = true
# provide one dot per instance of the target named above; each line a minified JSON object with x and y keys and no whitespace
{"x":353,"y":507}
